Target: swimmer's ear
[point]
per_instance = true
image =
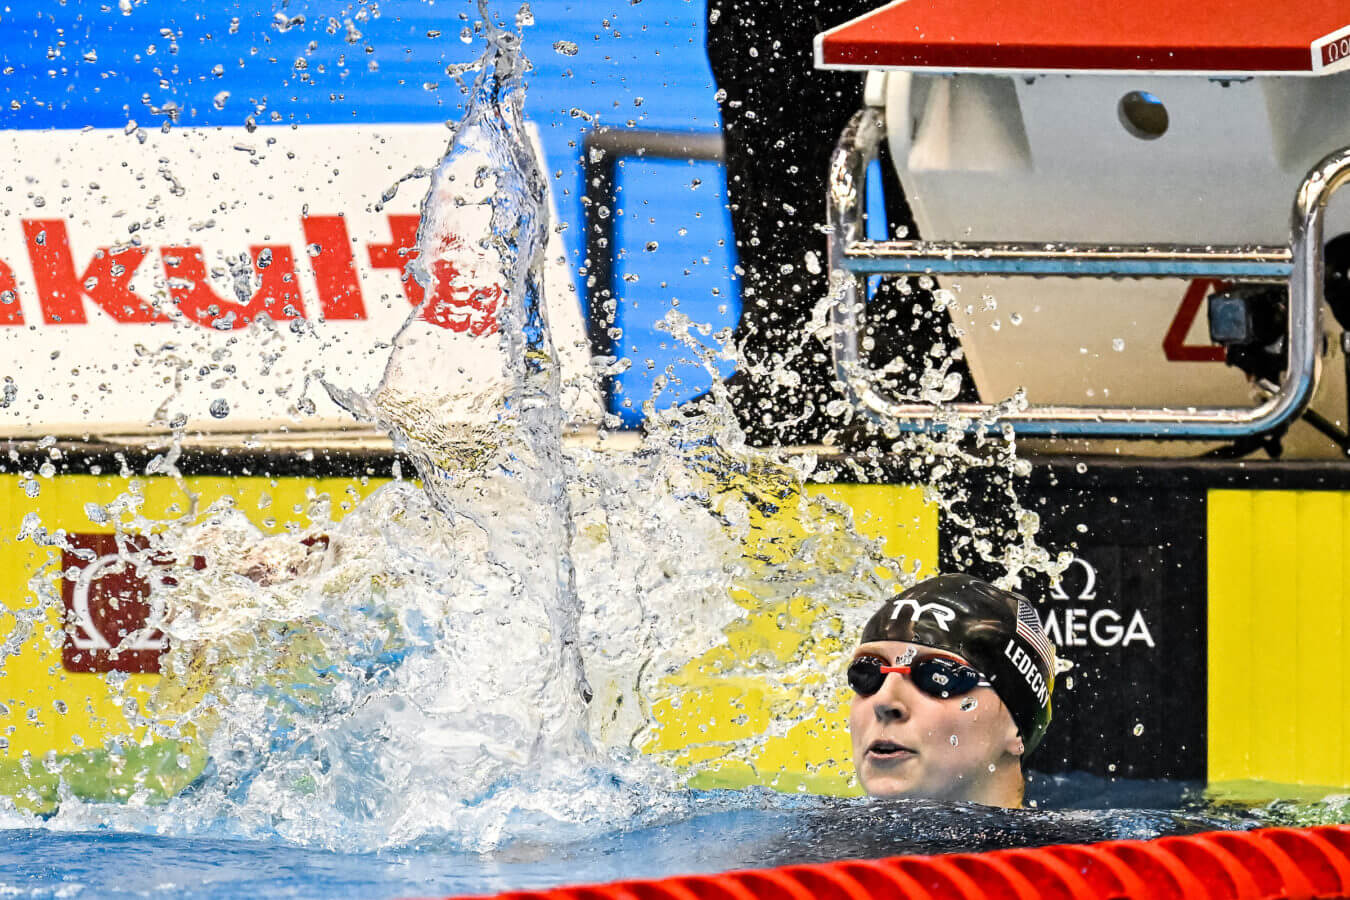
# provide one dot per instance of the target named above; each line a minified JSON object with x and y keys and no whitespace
{"x":1012,"y":741}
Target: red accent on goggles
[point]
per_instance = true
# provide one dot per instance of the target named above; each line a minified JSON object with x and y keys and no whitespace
{"x":938,"y":676}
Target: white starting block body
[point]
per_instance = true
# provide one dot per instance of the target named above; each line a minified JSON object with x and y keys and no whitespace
{"x":1035,"y":123}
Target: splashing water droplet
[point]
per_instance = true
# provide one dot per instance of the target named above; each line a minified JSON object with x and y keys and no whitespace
{"x":220,"y":408}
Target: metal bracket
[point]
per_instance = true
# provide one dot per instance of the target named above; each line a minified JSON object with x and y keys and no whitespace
{"x":853,"y":258}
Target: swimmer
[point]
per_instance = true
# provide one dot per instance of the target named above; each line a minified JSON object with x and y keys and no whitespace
{"x":951,"y":685}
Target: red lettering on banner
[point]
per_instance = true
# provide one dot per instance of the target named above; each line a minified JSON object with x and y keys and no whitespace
{"x":10,"y":311}
{"x":334,"y":267}
{"x":1174,"y":343}
{"x":465,"y":308}
{"x":462,"y":308}
{"x":273,"y":286}
{"x":278,"y":293}
{"x":399,"y":254}
{"x":106,"y":280}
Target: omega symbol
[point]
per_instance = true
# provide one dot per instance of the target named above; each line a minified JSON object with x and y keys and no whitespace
{"x":88,"y":635}
{"x":1089,"y":591}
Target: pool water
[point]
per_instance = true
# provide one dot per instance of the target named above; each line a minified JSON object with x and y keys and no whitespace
{"x":717,"y":831}
{"x":708,"y":831}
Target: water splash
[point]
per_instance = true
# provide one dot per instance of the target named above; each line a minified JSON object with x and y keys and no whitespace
{"x":471,"y":388}
{"x":498,"y":653}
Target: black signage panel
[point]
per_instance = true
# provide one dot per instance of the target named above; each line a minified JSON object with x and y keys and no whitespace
{"x":1128,"y":618}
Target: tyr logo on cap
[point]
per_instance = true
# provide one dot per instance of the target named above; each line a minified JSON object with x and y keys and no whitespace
{"x":942,"y":614}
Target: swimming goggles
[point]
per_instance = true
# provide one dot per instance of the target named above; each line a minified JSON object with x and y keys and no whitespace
{"x":936,"y":676}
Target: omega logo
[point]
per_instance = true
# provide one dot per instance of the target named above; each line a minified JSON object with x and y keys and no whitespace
{"x":106,"y":591}
{"x":1335,"y":51}
{"x":1089,"y":591}
{"x":87,"y":635}
{"x":1078,"y":626}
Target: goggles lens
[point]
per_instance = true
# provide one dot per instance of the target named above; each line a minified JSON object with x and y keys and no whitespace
{"x":936,"y":676}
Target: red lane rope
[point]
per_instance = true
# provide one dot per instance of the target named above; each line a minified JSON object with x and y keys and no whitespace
{"x":1293,"y":863}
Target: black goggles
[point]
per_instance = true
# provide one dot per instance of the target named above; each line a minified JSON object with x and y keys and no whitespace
{"x":937,"y":676}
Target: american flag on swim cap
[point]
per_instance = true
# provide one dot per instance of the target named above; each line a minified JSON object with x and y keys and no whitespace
{"x":1030,"y":630}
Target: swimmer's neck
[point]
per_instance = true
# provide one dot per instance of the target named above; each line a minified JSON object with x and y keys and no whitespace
{"x":1004,"y":787}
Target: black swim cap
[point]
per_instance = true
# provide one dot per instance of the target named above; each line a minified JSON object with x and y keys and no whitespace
{"x":996,"y":631}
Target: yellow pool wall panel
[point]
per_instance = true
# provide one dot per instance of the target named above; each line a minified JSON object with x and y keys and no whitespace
{"x":54,"y":717}
{"x":1278,"y":647}
{"x":815,"y":754}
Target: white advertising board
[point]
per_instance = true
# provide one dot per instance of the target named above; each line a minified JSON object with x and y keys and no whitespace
{"x":215,"y":275}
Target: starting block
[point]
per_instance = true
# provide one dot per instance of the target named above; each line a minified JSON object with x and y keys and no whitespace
{"x":1170,"y":151}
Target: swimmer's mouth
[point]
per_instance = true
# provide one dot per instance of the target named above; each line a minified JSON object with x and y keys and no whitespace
{"x":889,"y":750}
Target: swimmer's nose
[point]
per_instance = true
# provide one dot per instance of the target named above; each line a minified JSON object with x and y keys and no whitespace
{"x":889,"y":703}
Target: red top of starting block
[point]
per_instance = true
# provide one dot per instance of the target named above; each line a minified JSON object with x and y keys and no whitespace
{"x":1192,"y":37}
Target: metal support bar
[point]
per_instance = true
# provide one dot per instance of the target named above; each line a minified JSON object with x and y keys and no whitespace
{"x":853,"y":258}
{"x":602,"y":150}
{"x":1068,"y":260}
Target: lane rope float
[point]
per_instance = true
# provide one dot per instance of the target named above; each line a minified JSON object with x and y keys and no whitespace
{"x":1292,"y":863}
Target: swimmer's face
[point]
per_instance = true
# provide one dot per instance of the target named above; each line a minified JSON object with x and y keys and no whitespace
{"x":907,"y":743}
